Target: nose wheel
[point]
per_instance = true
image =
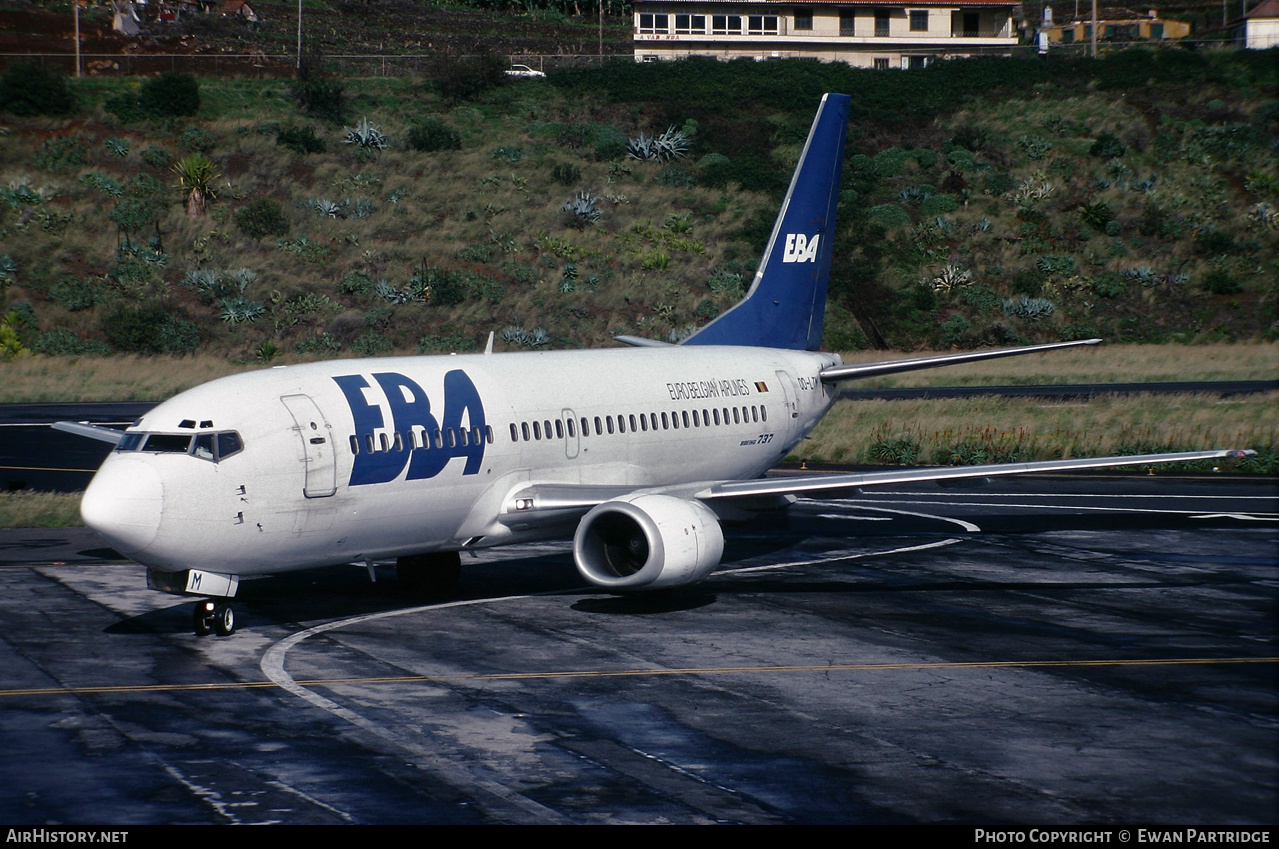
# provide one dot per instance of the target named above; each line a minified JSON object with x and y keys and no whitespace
{"x":213,"y":617}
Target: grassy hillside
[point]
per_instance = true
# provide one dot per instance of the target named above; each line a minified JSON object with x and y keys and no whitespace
{"x":985,"y":202}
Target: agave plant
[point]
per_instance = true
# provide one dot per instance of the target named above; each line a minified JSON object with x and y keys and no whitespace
{"x":671,"y":144}
{"x":366,"y":136}
{"x":952,"y":277}
{"x":582,"y":208}
{"x":196,"y":177}
{"x":1028,"y":307}
{"x":241,"y":310}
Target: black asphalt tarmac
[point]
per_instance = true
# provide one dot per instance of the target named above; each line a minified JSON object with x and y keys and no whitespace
{"x":1061,"y":650}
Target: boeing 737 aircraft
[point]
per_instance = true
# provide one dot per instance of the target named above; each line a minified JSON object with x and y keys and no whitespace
{"x":636,"y":452}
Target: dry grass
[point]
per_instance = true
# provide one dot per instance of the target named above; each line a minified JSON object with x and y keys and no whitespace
{"x":1094,"y":364}
{"x":39,"y":509}
{"x":1047,"y":430}
{"x":31,"y":380}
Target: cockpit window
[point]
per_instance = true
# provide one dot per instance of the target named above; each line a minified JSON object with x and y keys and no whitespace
{"x":206,"y":446}
{"x":168,"y":443}
{"x":229,"y":443}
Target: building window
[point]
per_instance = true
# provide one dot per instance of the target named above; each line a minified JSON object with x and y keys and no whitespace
{"x":881,"y":23}
{"x":690,"y":24}
{"x":919,"y":20}
{"x":762,"y":24}
{"x":913,"y":62}
{"x":1156,"y":31}
{"x":881,"y":63}
{"x":1068,"y":36}
{"x":847,"y":22}
{"x":726,"y":24}
{"x":655,"y":23}
{"x":804,"y":19}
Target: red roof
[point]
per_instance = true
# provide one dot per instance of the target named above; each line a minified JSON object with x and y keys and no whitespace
{"x":1265,"y":9}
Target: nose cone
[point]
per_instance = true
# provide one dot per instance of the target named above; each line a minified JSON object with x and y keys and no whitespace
{"x":124,"y":502}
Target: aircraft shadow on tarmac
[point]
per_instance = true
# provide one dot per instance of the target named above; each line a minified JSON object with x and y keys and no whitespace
{"x":310,"y":597}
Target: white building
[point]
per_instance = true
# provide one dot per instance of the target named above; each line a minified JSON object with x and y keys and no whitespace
{"x":861,"y":33}
{"x":1260,"y":27}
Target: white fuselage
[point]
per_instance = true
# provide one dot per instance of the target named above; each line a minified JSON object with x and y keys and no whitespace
{"x":360,"y":459}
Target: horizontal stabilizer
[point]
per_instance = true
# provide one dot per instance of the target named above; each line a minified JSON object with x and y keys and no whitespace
{"x":641,"y":342}
{"x":98,"y":432}
{"x":834,"y":374}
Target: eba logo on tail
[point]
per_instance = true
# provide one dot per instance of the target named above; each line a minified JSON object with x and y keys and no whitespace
{"x":800,"y":248}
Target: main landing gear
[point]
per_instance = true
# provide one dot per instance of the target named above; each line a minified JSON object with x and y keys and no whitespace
{"x":213,"y":617}
{"x":429,"y":574}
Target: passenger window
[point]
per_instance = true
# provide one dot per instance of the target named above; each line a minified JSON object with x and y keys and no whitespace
{"x":643,"y":422}
{"x":369,"y":440}
{"x":386,"y":443}
{"x":736,"y":420}
{"x":586,"y":427}
{"x":608,"y":420}
{"x":716,"y":412}
{"x":451,"y":438}
{"x":696,"y":421}
{"x":632,"y":417}
{"x":537,"y":430}
{"x":763,"y":413}
{"x":477,"y":436}
{"x":559,"y":429}
{"x":463,"y":437}
{"x":621,"y":424}
{"x":399,"y":441}
{"x":515,"y":436}
{"x":438,"y":439}
{"x":684,"y":413}
{"x":546,"y":428}
{"x":524,"y":428}
{"x":599,"y":428}
{"x":488,"y":432}
{"x":754,"y":413}
{"x":665,"y":423}
{"x":571,"y":430}
{"x":355,"y":445}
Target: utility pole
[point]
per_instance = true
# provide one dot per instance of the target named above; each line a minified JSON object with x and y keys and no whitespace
{"x":75,"y":4}
{"x":299,"y":35}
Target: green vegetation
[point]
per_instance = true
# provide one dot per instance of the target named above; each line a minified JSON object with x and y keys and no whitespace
{"x":985,"y":202}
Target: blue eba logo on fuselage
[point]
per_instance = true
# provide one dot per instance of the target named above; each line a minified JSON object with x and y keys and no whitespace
{"x":801,"y":248}
{"x":410,"y":408}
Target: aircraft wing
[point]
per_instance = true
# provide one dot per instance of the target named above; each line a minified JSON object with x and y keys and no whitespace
{"x":834,"y":374}
{"x":546,"y":504}
{"x":813,"y":484}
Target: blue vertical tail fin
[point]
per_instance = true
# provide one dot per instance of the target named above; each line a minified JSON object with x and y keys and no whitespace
{"x":786,"y":302}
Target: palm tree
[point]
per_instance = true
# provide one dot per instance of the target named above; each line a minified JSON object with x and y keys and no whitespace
{"x":196,"y":176}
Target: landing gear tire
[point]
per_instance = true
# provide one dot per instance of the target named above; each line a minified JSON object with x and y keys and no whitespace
{"x":202,"y":619}
{"x":224,"y":619}
{"x":429,"y":574}
{"x":210,"y":617}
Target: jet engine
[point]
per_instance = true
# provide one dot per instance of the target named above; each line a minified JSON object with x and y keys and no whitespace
{"x":647,"y":542}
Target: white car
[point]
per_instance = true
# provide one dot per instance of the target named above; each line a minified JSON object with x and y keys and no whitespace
{"x":523,"y":71}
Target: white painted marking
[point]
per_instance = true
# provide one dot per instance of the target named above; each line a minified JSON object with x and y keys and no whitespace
{"x":273,"y":667}
{"x":861,"y":555}
{"x":853,"y":518}
{"x":1243,"y":517}
{"x":1075,"y":507}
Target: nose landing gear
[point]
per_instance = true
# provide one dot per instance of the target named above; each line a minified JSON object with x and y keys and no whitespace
{"x":213,"y":617}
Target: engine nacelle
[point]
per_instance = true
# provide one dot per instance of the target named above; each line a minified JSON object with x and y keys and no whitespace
{"x":647,"y":542}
